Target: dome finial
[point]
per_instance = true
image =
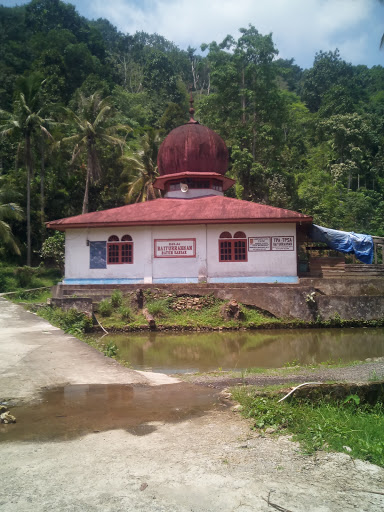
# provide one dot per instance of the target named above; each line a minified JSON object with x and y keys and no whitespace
{"x":191,"y":109}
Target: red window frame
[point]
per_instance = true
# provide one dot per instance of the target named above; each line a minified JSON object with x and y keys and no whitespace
{"x":233,"y":249}
{"x":119,"y":252}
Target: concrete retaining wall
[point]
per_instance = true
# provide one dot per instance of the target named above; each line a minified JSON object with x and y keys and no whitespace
{"x":350,"y":299}
{"x":83,"y":304}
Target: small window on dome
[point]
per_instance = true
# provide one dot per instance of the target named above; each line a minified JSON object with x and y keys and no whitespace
{"x":216,"y":185}
{"x":225,"y":234}
{"x":113,"y":238}
{"x":239,"y":234}
{"x":174,"y":186}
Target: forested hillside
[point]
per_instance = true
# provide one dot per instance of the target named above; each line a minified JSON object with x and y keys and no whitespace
{"x":84,"y":108}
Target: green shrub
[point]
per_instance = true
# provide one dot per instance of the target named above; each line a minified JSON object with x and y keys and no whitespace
{"x":110,"y":350}
{"x":125,"y":313}
{"x":159,"y":307}
{"x":54,"y":248}
{"x":25,"y":276}
{"x":72,"y":321}
{"x":3,"y":282}
{"x":105,"y":308}
{"x":116,"y":298}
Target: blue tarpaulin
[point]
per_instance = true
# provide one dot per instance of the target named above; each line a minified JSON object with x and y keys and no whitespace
{"x":349,"y":243}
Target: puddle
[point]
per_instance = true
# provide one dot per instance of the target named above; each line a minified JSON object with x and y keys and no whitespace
{"x":72,"y":411}
{"x":202,"y":352}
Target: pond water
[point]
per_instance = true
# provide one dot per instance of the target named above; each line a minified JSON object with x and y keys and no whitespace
{"x":201,"y":352}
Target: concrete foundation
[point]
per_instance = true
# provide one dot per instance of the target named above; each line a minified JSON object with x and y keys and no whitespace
{"x":350,"y":299}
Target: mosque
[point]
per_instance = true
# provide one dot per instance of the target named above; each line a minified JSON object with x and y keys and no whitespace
{"x":193,"y":234}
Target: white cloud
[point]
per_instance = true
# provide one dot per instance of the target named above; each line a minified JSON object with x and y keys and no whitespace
{"x":300,"y":27}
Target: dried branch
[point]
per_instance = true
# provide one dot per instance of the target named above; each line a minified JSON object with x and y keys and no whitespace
{"x":297,"y":387}
{"x":274,"y":505}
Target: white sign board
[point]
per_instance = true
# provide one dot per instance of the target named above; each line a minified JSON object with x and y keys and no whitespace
{"x":259,"y":243}
{"x":175,"y":248}
{"x":282,"y":243}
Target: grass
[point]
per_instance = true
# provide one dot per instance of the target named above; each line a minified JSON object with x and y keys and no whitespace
{"x":76,"y":323}
{"x":208,"y":316}
{"x":34,"y":297}
{"x":72,"y":321}
{"x":348,"y":426}
{"x":19,"y":279}
{"x":167,"y":316}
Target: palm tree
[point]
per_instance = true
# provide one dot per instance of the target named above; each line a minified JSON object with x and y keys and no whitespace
{"x":141,"y":170}
{"x":26,"y":122}
{"x":94,"y":124}
{"x":8,"y":211}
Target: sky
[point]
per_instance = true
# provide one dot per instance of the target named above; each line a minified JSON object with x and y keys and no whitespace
{"x":300,"y":28}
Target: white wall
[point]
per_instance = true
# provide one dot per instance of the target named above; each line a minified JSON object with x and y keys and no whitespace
{"x":263,"y":263}
{"x":205,"y":266}
{"x":77,"y":258}
{"x":181,"y":267}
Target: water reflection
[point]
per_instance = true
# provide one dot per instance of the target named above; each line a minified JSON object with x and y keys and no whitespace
{"x":71,"y":411}
{"x":192,"y":352}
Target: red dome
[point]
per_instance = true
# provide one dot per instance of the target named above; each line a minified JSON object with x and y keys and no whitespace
{"x":192,"y":148}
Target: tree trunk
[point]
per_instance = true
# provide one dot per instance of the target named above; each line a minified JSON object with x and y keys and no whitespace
{"x":42,"y":184}
{"x":28,"y":161}
{"x":85,"y":201}
{"x":243,"y":97}
{"x":254,"y":136}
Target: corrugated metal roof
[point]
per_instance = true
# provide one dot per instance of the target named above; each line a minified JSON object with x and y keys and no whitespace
{"x":202,"y":210}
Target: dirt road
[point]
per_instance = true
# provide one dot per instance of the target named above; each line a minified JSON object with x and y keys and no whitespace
{"x":207,"y":460}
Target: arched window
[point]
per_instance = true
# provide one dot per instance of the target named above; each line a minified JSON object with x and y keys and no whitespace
{"x":233,"y":249}
{"x":120,"y":252}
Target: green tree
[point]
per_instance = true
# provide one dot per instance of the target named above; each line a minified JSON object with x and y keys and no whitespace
{"x":354,"y":141}
{"x":54,"y":248}
{"x":329,"y":71}
{"x":247,"y":108}
{"x":95,"y":125}
{"x":8,"y":211}
{"x":141,"y":170}
{"x":27,"y":123}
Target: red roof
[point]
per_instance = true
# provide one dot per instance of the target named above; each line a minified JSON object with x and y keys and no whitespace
{"x":192,"y":148}
{"x":202,"y":210}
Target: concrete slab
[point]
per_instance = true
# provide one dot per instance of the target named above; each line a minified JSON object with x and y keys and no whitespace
{"x":34,"y":354}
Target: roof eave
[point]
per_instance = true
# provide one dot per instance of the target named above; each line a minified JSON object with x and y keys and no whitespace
{"x":266,"y":220}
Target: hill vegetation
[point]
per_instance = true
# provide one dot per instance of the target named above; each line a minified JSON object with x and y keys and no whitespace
{"x":84,"y":107}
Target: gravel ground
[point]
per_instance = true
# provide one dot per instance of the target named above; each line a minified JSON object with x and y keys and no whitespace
{"x":363,"y":372}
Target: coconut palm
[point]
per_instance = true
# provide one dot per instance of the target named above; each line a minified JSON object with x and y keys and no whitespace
{"x":141,"y":170}
{"x":26,"y":122}
{"x":94,"y":124}
{"x":8,"y":211}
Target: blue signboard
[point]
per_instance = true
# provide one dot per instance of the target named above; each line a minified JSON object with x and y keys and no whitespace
{"x":98,"y":254}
